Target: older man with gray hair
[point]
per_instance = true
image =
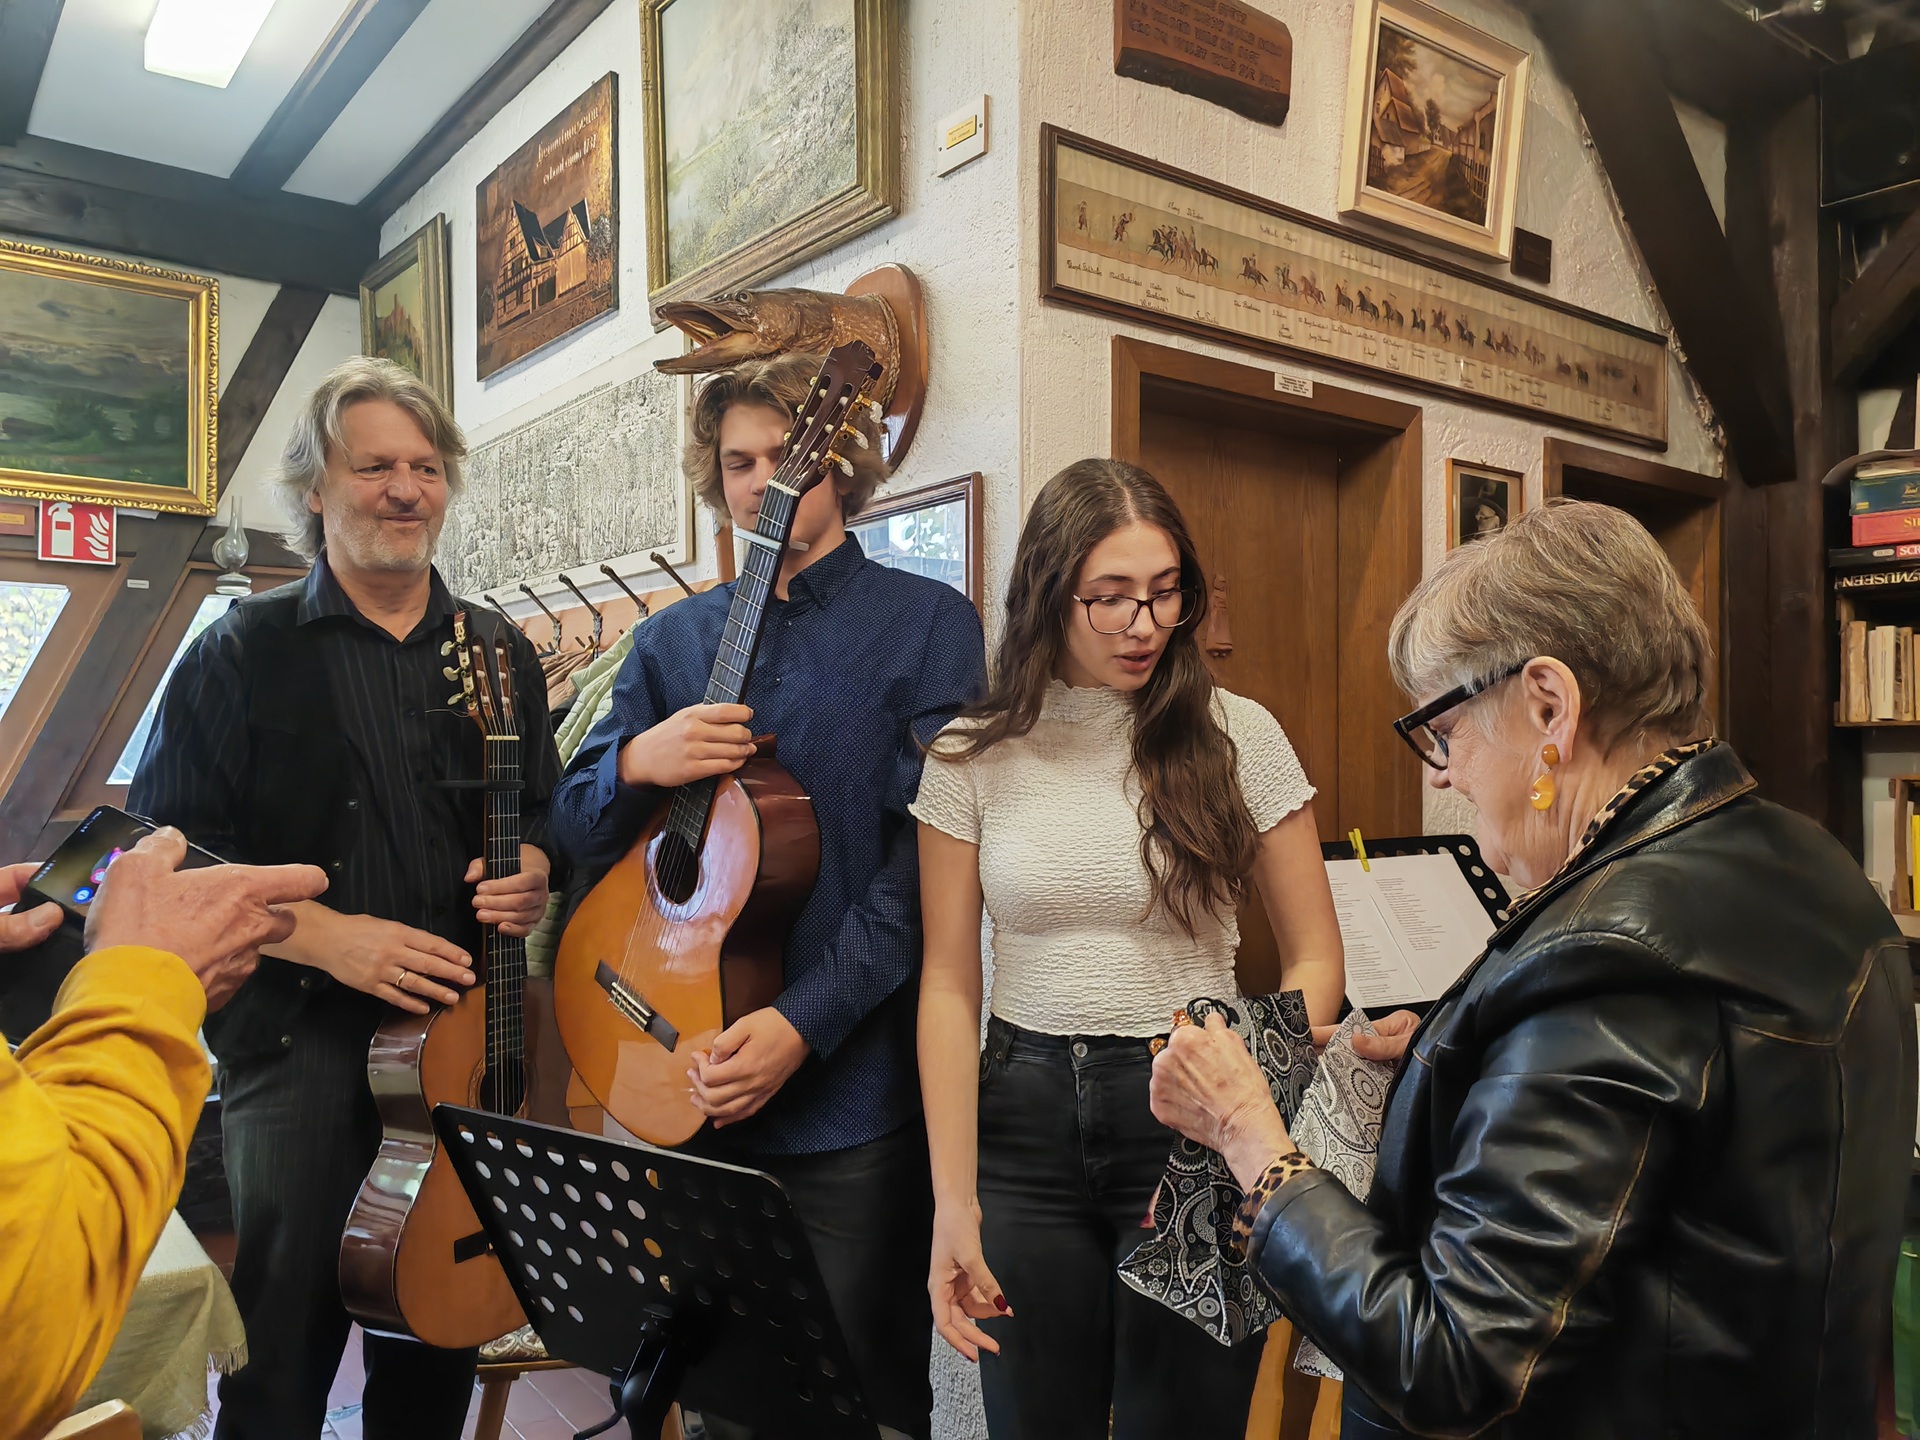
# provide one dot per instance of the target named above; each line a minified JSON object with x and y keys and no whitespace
{"x":313,"y":724}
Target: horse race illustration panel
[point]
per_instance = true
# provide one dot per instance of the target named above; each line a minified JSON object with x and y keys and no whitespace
{"x":1127,"y":233}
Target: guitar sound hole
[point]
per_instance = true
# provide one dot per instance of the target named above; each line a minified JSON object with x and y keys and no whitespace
{"x":503,"y":1088}
{"x":677,"y":868}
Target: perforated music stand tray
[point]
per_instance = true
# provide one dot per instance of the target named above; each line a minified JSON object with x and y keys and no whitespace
{"x":681,"y":1278}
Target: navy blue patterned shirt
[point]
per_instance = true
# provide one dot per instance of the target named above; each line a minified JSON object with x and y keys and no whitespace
{"x":857,"y":668}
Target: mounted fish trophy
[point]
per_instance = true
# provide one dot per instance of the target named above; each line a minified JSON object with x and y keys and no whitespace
{"x":882,"y":309}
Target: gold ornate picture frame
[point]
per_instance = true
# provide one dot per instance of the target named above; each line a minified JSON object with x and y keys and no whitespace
{"x":1435,"y":111}
{"x":406,"y":308}
{"x":109,"y":381}
{"x":808,"y":135}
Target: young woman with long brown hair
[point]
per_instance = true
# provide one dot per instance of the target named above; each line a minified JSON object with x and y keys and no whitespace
{"x":1109,"y":806}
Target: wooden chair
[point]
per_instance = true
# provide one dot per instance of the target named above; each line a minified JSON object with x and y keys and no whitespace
{"x":115,"y":1420}
{"x":495,"y":1383}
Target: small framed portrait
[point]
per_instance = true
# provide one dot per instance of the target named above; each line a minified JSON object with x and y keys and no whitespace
{"x":1481,"y":499}
{"x":405,"y":308}
{"x":933,"y":531}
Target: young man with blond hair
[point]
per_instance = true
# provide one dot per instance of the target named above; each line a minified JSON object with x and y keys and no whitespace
{"x":858,"y":666}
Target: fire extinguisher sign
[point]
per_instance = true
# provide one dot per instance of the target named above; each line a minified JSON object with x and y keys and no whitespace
{"x":76,"y":533}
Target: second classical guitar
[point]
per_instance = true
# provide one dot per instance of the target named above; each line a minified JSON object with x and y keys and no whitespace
{"x":684,"y":935}
{"x":415,"y":1259}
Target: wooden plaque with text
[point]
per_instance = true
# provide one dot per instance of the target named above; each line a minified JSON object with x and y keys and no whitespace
{"x":1221,"y":51}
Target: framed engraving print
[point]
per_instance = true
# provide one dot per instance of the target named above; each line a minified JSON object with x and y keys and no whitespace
{"x":1434,"y":114}
{"x":547,"y":229}
{"x":1129,"y":236}
{"x":404,"y":308}
{"x":772,"y":135}
{"x":109,"y":373}
{"x":1481,"y":500}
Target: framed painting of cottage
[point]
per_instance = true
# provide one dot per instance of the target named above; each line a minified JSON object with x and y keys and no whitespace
{"x":405,"y":308}
{"x":795,"y":150}
{"x":1482,"y":500}
{"x":933,"y":531}
{"x":109,"y":374}
{"x":1128,"y":236}
{"x":547,"y":232}
{"x":1434,"y":114}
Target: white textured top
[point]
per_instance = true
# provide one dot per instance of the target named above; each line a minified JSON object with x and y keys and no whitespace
{"x":1054,"y":814}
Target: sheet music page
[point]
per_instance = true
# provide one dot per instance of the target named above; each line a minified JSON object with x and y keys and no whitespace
{"x":1410,"y":926}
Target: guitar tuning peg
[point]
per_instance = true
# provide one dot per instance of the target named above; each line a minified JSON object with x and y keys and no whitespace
{"x":449,"y":672}
{"x":875,"y":410}
{"x":846,"y":465}
{"x":858,"y":438}
{"x":456,"y":698}
{"x":446,"y":648}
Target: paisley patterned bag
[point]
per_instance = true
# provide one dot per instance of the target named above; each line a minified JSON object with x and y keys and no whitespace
{"x":1188,"y":1265}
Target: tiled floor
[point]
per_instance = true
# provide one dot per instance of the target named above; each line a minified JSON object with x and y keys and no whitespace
{"x":546,"y":1405}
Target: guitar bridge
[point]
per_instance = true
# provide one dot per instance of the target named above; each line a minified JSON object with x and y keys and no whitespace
{"x":629,"y":1003}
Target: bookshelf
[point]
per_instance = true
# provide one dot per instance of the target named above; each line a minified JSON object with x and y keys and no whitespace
{"x":1877,"y":595}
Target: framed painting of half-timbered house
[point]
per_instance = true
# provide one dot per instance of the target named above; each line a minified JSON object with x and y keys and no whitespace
{"x":547,"y":231}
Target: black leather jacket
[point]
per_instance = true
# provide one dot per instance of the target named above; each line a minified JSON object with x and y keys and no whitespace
{"x":1644,"y":1171}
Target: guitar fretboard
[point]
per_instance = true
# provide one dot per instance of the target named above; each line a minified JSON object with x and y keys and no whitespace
{"x":739,"y":639}
{"x":506,"y":955}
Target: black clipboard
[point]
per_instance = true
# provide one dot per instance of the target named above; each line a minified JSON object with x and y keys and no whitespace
{"x":1465,"y":851}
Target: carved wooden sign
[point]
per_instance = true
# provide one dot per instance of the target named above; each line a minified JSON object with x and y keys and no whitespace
{"x":1230,"y":54}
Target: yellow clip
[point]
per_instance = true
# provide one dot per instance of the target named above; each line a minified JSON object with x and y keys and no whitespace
{"x":1359,"y":849}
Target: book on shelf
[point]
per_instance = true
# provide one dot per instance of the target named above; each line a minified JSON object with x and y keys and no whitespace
{"x":1869,"y":557}
{"x":1854,"y":708}
{"x":1881,"y":469}
{"x":1880,"y":647}
{"x":1887,"y":528}
{"x":1877,"y":494}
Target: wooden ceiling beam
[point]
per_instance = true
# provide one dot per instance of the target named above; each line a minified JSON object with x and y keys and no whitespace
{"x":343,"y":63}
{"x":1872,"y":312}
{"x":1733,"y":345}
{"x":69,"y":195}
{"x":262,"y":370}
{"x":26,"y":35}
{"x":558,"y":27}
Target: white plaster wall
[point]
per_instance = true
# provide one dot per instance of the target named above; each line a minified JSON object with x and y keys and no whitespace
{"x":243,"y":305}
{"x":1707,"y":142}
{"x":1066,"y":77}
{"x":956,"y":232}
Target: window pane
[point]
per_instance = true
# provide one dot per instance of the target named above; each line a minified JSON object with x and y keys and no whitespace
{"x":211,"y":609}
{"x":27,"y":613}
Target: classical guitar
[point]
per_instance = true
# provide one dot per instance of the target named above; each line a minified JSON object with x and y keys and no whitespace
{"x":683,"y":936}
{"x":415,"y":1259}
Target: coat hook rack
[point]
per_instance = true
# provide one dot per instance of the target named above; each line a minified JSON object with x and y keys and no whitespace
{"x":657,"y":558}
{"x":527,"y":590}
{"x":599,"y":620}
{"x":639,"y":604}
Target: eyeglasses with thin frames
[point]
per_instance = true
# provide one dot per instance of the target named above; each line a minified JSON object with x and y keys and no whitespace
{"x":1416,"y":727}
{"x":1116,"y":614}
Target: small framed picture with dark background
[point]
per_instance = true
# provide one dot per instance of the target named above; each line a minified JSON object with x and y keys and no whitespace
{"x":1481,"y":499}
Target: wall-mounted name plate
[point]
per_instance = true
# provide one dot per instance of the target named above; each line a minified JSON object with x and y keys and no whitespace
{"x":960,"y":137}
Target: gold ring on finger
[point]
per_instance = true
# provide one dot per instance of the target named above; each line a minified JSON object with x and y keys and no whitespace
{"x":401,"y":982}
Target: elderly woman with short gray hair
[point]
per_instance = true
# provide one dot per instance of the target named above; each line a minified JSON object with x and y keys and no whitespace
{"x":1643,"y":1170}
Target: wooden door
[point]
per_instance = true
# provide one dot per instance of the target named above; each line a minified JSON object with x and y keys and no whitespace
{"x":1262,"y":510}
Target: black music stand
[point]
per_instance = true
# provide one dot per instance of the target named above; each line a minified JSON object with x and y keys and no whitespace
{"x":680,"y":1278}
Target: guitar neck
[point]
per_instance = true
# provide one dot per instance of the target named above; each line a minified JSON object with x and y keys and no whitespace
{"x":506,"y":955}
{"x":739,"y":641}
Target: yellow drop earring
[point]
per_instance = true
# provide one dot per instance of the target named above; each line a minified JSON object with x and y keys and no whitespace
{"x":1541,"y":796}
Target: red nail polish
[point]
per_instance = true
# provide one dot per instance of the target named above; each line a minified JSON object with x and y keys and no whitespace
{"x":1001,"y":1302}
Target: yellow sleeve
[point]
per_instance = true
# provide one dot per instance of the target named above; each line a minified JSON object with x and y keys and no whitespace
{"x":95,"y":1114}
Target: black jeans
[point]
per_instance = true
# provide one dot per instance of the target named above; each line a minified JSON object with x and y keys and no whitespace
{"x":868,"y":1213}
{"x":1069,"y":1157}
{"x":300,"y":1131}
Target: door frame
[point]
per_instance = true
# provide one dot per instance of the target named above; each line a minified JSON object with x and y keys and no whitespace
{"x":1378,"y":560}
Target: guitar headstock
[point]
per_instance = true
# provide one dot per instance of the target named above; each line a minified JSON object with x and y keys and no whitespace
{"x":824,"y":420}
{"x":486,"y":682}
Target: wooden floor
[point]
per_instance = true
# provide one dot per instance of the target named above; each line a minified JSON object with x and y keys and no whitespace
{"x":547,"y":1405}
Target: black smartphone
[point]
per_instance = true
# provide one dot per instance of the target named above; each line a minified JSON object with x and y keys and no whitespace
{"x":30,"y":979}
{"x":71,"y":876}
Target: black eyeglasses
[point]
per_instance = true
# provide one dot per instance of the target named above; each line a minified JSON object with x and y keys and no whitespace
{"x":1416,"y":727}
{"x":1115,"y":614}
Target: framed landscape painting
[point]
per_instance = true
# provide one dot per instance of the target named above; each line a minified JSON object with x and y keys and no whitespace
{"x":404,"y":308}
{"x":1435,"y":110}
{"x":108,"y":381}
{"x":933,"y":531}
{"x":772,"y":135}
{"x":547,"y":228}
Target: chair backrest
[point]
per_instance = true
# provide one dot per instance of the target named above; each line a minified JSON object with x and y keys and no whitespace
{"x":115,"y":1420}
